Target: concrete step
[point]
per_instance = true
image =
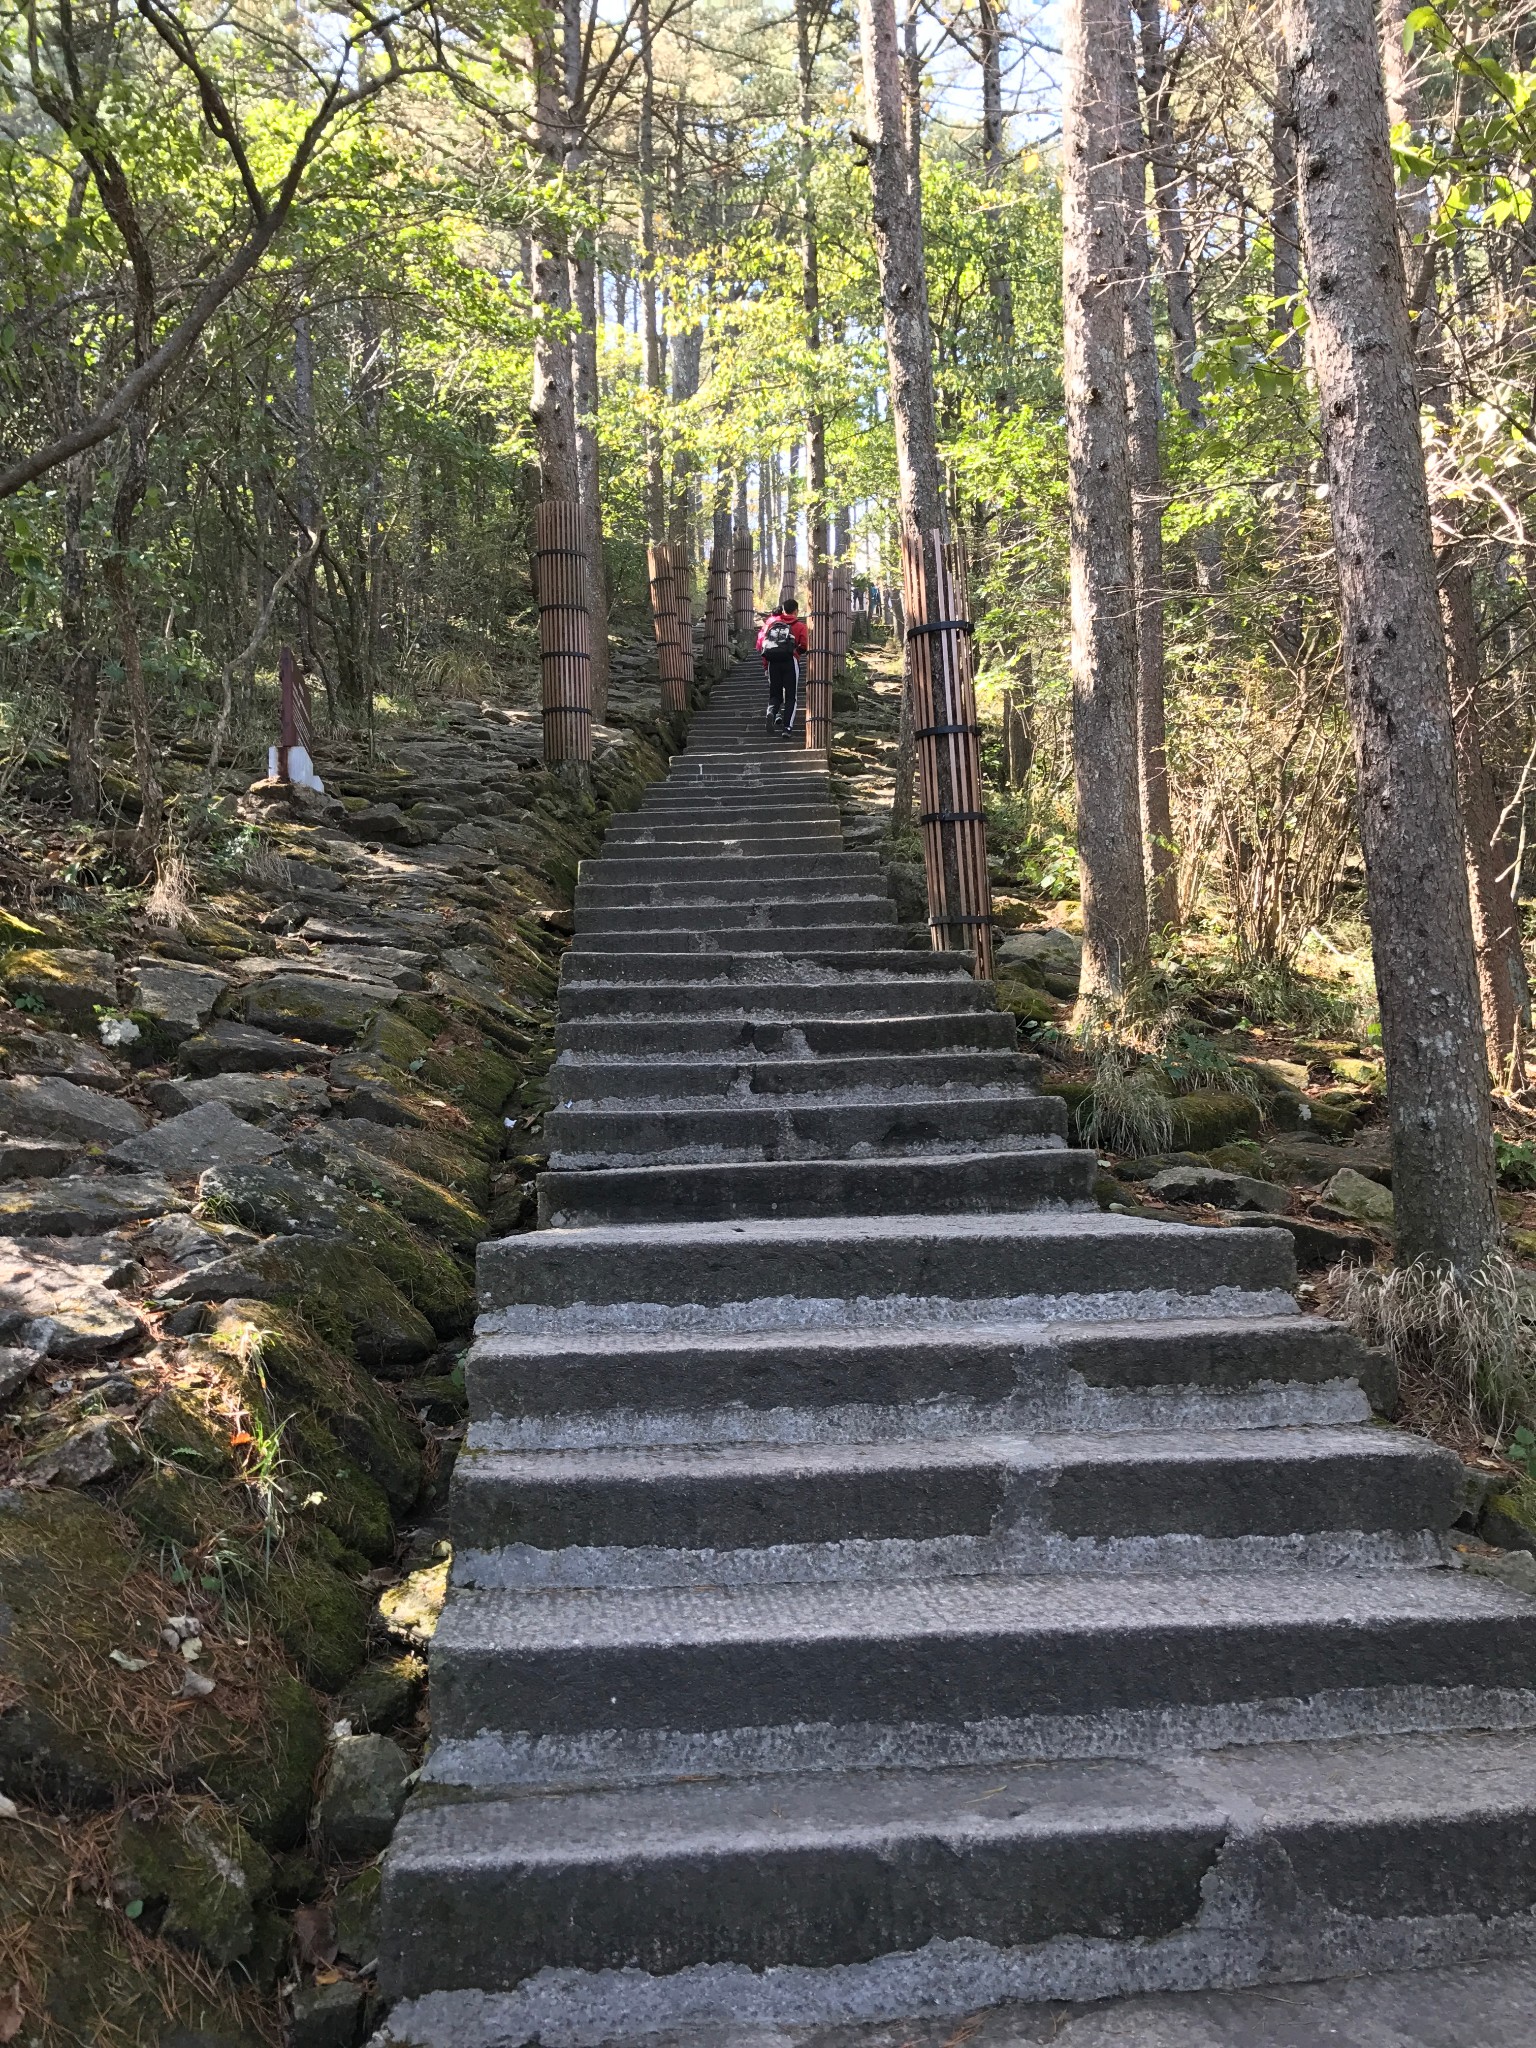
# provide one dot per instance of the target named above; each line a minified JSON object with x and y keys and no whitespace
{"x":764,"y":840}
{"x":861,"y":932}
{"x":635,"y":1135}
{"x":826,"y":1037}
{"x":607,"y":1079}
{"x":956,"y":1184}
{"x":658,"y":1514}
{"x":788,"y":1899}
{"x":764,"y":909}
{"x":763,"y":978}
{"x":752,"y":884}
{"x":837,"y":1271}
{"x":687,"y":807}
{"x":589,"y":1682}
{"x":829,"y":1383}
{"x":694,"y":871}
{"x":638,"y":987}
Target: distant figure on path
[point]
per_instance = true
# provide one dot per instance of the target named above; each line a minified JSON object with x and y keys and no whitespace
{"x":781,"y":642}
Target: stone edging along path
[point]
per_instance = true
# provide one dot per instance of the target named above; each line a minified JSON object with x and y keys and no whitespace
{"x":244,"y":1165}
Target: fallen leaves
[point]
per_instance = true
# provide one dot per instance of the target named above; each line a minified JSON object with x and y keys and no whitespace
{"x":11,"y":2014}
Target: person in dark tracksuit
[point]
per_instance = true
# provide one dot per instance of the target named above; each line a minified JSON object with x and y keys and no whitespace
{"x":782,"y":642}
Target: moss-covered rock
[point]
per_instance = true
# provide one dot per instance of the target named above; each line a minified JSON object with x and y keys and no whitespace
{"x":196,"y":1876}
{"x":1211,"y":1117}
{"x":1029,"y":1003}
{"x":73,"y":980}
{"x":299,"y":1376}
{"x":89,"y":1715}
{"x":178,"y":1427}
{"x":341,"y":1155}
{"x":320,"y":1617}
{"x":93,"y":1979}
{"x":343,"y":1296}
{"x":383,"y":1695}
{"x":1508,"y":1519}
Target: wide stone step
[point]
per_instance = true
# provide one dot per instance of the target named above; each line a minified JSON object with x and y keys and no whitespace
{"x":880,"y":1673}
{"x":764,"y":978}
{"x":766,"y":841}
{"x":639,"y":987}
{"x":847,"y":1384}
{"x":760,"y":883}
{"x":952,"y":1184}
{"x":600,"y":1133}
{"x":661,"y":1515}
{"x":762,"y":911}
{"x":692,"y":871}
{"x":915,"y":1266}
{"x":581,"y":1080}
{"x":862,"y":932}
{"x":1063,"y":1881}
{"x":635,"y":1038}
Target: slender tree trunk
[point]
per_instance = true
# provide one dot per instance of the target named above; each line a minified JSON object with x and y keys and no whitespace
{"x":1144,"y":422}
{"x":790,"y":556}
{"x":1173,"y":246}
{"x":1098,"y":286}
{"x":553,"y":404}
{"x":815,"y":425}
{"x":307,"y":498}
{"x":373,"y":495}
{"x":1502,"y":981}
{"x":585,"y":303}
{"x":1285,"y":287}
{"x":990,"y":41}
{"x":655,"y":483}
{"x":952,"y":781}
{"x":132,"y":483}
{"x":82,"y":663}
{"x":1394,"y":644}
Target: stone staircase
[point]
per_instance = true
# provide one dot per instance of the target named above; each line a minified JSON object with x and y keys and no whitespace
{"x":884,"y":1584}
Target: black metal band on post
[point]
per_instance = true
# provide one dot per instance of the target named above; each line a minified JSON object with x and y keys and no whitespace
{"x":951,"y":818}
{"x":939,"y":921}
{"x":944,"y":626}
{"x":930,"y":732}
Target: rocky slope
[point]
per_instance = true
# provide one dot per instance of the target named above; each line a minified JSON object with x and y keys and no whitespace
{"x":245,"y":1158}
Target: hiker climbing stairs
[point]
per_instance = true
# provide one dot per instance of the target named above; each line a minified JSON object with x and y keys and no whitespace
{"x":883,"y":1582}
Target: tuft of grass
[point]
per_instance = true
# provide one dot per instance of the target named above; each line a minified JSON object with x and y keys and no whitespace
{"x":1465,"y":1347}
{"x":1127,"y":1111}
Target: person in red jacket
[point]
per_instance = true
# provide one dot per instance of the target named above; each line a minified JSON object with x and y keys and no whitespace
{"x":781,"y":641}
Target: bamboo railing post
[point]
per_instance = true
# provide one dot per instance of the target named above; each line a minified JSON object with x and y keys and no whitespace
{"x":941,"y":688}
{"x":842,"y":607}
{"x":682,"y":600}
{"x":565,"y":630}
{"x":818,"y":668}
{"x":719,"y":612}
{"x":741,"y":587}
{"x":669,"y":646}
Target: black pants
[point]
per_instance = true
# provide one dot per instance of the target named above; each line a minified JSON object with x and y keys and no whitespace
{"x":783,"y":682}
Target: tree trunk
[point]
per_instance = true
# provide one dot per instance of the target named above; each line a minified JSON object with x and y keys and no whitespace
{"x":789,"y":559}
{"x":990,"y":40}
{"x":1394,"y":644}
{"x":132,"y":483}
{"x":815,"y":426}
{"x":1097,"y":284}
{"x":1178,"y":283}
{"x":82,"y":663}
{"x":655,"y":483}
{"x":1285,"y":287}
{"x":307,"y":499}
{"x":1144,"y":407}
{"x":553,"y":404}
{"x":1501,"y":973}
{"x":584,"y":380}
{"x":931,"y":695}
